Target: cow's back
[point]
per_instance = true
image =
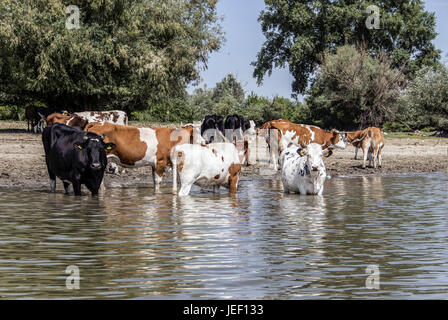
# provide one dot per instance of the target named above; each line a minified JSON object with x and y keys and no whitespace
{"x":115,"y":117}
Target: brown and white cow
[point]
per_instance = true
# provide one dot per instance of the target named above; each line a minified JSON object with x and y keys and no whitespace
{"x":137,"y":147}
{"x":114,"y":116}
{"x":81,"y":119}
{"x":72,"y":120}
{"x":299,"y":135}
{"x":371,"y":141}
{"x":214,"y":164}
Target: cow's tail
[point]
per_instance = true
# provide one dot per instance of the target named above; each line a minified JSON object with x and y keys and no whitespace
{"x":174,"y":161}
{"x":265,"y":130}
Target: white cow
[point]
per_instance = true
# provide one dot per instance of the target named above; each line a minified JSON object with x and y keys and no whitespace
{"x":215,"y":164}
{"x":303,"y":169}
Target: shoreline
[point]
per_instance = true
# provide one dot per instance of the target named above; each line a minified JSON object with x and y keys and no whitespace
{"x":167,"y":182}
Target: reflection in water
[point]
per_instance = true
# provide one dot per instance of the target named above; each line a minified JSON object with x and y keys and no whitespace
{"x":259,"y":243}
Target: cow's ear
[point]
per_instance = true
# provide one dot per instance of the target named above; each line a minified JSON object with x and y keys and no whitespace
{"x":109,"y":146}
{"x":328,"y":153}
{"x":78,"y":146}
{"x":301,"y":152}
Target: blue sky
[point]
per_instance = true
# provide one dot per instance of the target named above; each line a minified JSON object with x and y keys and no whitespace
{"x":244,"y":39}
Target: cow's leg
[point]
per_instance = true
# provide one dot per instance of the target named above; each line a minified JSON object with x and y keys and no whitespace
{"x":77,"y":188}
{"x":321,"y":182}
{"x":52,"y":181}
{"x":216,"y":188}
{"x":233,"y":183}
{"x":157,"y":174}
{"x":370,"y":156}
{"x":285,"y":188}
{"x":302,"y":189}
{"x":246,"y":152}
{"x":274,"y":160}
{"x":380,"y":155}
{"x":375,"y":157}
{"x":185,"y":189}
{"x":356,"y":153}
{"x":366,"y":153}
{"x":67,"y":187}
{"x":52,"y":185}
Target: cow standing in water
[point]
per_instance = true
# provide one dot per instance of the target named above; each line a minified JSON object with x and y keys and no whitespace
{"x":138,"y":147}
{"x":75,"y":157}
{"x":303,"y":169}
{"x":298,"y":134}
{"x":214,"y":164}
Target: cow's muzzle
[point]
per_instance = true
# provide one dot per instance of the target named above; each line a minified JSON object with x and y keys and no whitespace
{"x":95,"y":166}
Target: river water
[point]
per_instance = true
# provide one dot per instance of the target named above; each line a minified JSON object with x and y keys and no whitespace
{"x":366,"y":237}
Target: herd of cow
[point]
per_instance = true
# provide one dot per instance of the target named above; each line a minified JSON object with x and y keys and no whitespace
{"x":78,"y":148}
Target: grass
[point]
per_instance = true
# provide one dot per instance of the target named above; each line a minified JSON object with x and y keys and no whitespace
{"x":411,"y":135}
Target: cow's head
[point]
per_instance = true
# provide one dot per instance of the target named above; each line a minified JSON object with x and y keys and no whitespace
{"x":337,"y":139}
{"x":314,"y":155}
{"x":77,"y":121}
{"x":249,"y":127}
{"x":92,"y":150}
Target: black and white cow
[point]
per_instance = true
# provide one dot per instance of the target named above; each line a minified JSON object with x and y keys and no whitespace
{"x":303,"y":169}
{"x":75,"y":157}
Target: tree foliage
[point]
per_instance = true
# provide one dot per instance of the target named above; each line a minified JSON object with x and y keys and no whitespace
{"x":425,"y":101}
{"x":298,"y":31}
{"x":125,"y":53}
{"x":354,"y":90}
{"x":229,"y":86}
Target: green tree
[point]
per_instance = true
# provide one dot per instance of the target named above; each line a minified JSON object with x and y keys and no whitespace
{"x":354,"y":90}
{"x":296,"y":111}
{"x":425,"y":101}
{"x":297,"y":32}
{"x":201,"y":102}
{"x":228,"y":86}
{"x":126,"y":53}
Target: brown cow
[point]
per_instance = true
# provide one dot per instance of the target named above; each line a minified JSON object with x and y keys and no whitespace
{"x":136,"y":147}
{"x":371,"y":141}
{"x":299,"y":135}
{"x":31,"y":118}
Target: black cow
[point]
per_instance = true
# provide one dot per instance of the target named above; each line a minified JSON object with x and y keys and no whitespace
{"x":234,"y":122}
{"x":212,"y":122}
{"x":75,"y":156}
{"x":246,"y":125}
{"x":234,"y":126}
